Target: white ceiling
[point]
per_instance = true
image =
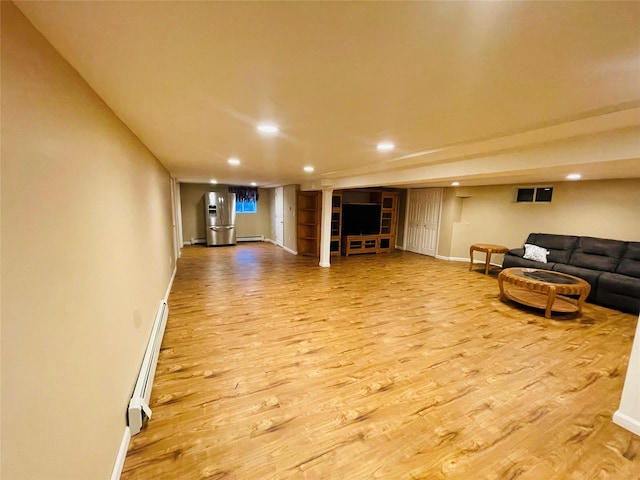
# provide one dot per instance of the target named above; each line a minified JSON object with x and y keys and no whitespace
{"x":479,"y":92}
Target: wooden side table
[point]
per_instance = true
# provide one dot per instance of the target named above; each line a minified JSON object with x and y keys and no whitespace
{"x":489,"y":249}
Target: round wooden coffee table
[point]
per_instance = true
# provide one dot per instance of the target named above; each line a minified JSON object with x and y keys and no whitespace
{"x":543,"y":289}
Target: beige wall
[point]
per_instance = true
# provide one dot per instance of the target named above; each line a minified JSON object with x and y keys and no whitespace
{"x":290,"y":220}
{"x":272,"y":214}
{"x":86,"y":259}
{"x":449,"y":215}
{"x":608,"y":209}
{"x":192,"y":199}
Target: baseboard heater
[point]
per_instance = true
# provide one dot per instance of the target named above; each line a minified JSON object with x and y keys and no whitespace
{"x":139,"y":412}
{"x":251,"y":238}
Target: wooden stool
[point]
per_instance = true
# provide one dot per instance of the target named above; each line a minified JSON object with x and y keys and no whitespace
{"x":489,"y":249}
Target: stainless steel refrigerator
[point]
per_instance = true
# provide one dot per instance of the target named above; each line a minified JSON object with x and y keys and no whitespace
{"x":220,"y":218}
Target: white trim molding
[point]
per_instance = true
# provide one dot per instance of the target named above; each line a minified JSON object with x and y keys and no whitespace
{"x":122,"y":455}
{"x":251,"y":238}
{"x":454,"y":259}
{"x":625,"y":421}
{"x":288,"y":250}
{"x":126,"y":436}
{"x":628,"y":414}
{"x":168,"y":290}
{"x":466,"y":260}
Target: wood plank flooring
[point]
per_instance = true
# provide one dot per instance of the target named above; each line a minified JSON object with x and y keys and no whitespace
{"x":391,"y":366}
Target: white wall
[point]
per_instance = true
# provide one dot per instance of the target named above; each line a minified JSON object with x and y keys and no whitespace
{"x":86,"y":258}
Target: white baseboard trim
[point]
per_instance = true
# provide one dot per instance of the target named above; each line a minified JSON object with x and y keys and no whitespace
{"x":466,"y":260}
{"x":625,"y":421}
{"x":288,"y":250}
{"x":250,"y":238}
{"x":453,"y":259}
{"x":459,"y":259}
{"x":195,"y":241}
{"x":126,"y":436}
{"x":168,"y":290}
{"x":122,"y":455}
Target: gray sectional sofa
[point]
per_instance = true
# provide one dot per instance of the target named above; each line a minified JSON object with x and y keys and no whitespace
{"x":612,"y":267}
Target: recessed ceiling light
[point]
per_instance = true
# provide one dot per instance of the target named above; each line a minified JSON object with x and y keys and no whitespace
{"x":455,"y":184}
{"x":308,"y":169}
{"x":574,"y":176}
{"x":233,"y":161}
{"x":268,"y":128}
{"x":214,"y":181}
{"x":253,"y":184}
{"x":385,"y":146}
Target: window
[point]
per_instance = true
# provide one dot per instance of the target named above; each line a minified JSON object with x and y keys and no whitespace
{"x":525,"y":195}
{"x":246,"y":199}
{"x":246,"y":206}
{"x":534,"y":195}
{"x":544,"y":194}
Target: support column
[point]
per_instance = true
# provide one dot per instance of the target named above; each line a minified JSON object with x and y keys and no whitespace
{"x":325,"y":228}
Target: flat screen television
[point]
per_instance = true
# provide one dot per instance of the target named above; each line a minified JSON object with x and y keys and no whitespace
{"x":360,"y":218}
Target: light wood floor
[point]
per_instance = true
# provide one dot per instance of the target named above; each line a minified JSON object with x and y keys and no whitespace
{"x":391,"y":366}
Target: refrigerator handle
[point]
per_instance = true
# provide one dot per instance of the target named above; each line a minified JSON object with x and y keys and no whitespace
{"x":226,"y":227}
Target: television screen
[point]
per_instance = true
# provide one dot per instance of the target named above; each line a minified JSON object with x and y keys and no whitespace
{"x":360,"y":219}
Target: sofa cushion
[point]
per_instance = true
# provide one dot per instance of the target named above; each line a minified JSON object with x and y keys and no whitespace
{"x":587,"y":274}
{"x":594,"y":262}
{"x":559,"y":246}
{"x":516,"y":252}
{"x":511,"y":260}
{"x":619,"y":291}
{"x":630,"y":263}
{"x":598,"y":254}
{"x":602,"y":246}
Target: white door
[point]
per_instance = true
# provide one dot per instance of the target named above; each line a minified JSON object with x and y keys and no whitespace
{"x":431,"y":199}
{"x":279,"y":214}
{"x":423,"y":219}
{"x":176,"y":219}
{"x":414,"y":213}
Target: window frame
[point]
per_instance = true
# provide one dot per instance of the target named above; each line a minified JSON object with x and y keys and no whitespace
{"x":531,"y":195}
{"x":247,"y":206}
